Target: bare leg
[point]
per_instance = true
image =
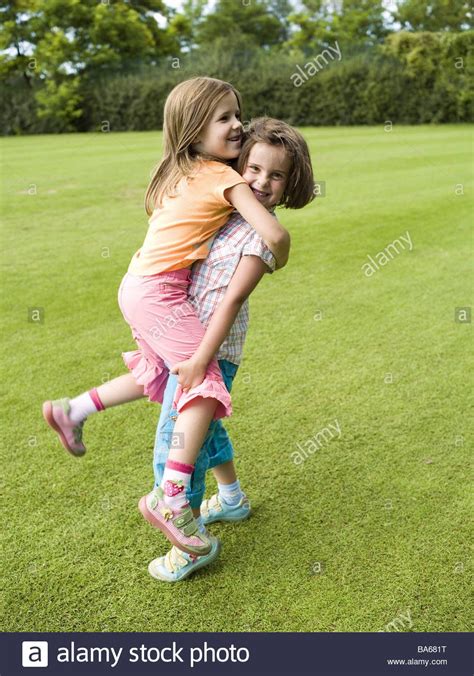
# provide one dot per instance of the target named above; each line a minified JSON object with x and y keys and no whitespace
{"x":189,"y":433}
{"x":225,"y":473}
{"x":190,"y":430}
{"x":66,"y":417}
{"x":120,"y":391}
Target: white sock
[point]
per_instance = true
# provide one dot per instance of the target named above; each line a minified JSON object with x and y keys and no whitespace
{"x":176,"y":479}
{"x":231,"y":494}
{"x":81,"y":407}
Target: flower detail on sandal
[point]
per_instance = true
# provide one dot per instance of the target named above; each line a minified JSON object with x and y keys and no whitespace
{"x":167,"y":513}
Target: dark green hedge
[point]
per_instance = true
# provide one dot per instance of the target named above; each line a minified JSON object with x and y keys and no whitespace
{"x":412,"y":79}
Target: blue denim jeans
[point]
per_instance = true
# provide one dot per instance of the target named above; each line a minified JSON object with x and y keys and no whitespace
{"x":216,"y":449}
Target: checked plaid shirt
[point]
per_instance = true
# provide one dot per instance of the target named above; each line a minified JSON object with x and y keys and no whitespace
{"x":211,"y":277}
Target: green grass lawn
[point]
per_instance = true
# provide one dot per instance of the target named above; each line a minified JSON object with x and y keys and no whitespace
{"x":374,"y":524}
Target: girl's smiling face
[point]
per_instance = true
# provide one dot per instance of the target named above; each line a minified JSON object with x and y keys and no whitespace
{"x":267,"y":172}
{"x":222,"y":135}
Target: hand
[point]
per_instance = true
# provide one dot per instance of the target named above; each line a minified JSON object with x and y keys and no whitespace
{"x":190,"y":373}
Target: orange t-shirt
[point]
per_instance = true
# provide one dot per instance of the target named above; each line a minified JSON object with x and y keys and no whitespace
{"x":183,"y":228}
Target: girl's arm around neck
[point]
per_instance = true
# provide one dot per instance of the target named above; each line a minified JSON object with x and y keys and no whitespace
{"x":273,"y":234}
{"x":246,"y":277}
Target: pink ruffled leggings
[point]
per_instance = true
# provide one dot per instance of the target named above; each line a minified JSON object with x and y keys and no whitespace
{"x":167,"y":330}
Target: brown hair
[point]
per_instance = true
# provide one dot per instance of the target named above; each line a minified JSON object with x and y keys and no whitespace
{"x":188,"y":108}
{"x":299,"y":190}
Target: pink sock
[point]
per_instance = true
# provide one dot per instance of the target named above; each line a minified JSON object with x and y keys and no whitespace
{"x":84,"y":405}
{"x":176,"y":479}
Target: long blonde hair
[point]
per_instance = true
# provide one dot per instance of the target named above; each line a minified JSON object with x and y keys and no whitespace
{"x":188,"y":108}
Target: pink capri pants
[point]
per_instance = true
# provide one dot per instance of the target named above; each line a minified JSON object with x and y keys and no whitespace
{"x":167,"y":330}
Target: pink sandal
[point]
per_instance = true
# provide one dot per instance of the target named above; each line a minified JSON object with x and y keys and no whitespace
{"x":180,"y":527}
{"x":56,"y":414}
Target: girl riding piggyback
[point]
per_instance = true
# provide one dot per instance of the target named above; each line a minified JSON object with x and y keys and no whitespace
{"x":190,"y":197}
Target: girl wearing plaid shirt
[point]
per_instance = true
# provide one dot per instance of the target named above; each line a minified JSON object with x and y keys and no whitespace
{"x":275,"y":162}
{"x":190,"y":197}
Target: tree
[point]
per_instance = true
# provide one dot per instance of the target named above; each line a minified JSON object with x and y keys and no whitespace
{"x":184,"y":24}
{"x":249,"y":22}
{"x":433,"y":15}
{"x":18,"y":27}
{"x":348,"y":22}
{"x":60,"y":43}
{"x":282,"y":10}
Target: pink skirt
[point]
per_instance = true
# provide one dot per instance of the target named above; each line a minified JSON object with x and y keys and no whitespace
{"x":167,"y":330}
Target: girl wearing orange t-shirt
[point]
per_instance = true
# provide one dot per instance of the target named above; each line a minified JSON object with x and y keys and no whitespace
{"x":192,"y":192}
